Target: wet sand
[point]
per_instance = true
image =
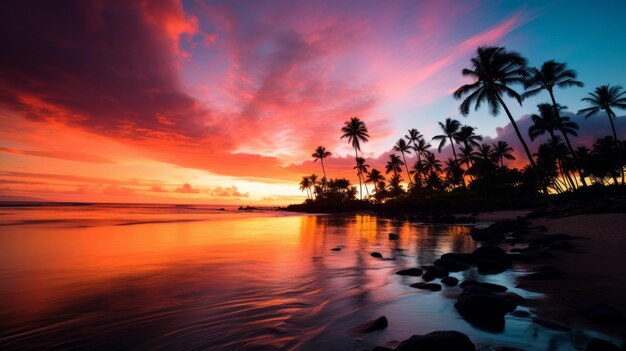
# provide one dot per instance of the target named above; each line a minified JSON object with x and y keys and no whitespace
{"x":595,"y":269}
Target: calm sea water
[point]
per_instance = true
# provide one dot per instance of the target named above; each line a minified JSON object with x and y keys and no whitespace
{"x":105,"y":277}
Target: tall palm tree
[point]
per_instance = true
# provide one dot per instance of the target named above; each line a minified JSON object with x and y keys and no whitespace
{"x":375,"y":177}
{"x":356,"y":132}
{"x":313,"y":179}
{"x":320,"y":154}
{"x":305,"y":184}
{"x":403,"y":147}
{"x":467,"y":137}
{"x":361,"y":169}
{"x":431,"y":163}
{"x":450,"y":130}
{"x":554,"y":74}
{"x":394,"y":164}
{"x":605,"y":98}
{"x":502,"y":150}
{"x":493,"y":69}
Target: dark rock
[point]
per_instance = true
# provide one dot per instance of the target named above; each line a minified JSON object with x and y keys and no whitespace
{"x":483,"y":308}
{"x":513,"y":297}
{"x":451,"y":265}
{"x":494,"y":287}
{"x":599,"y":312}
{"x":414,"y":272}
{"x":438,"y":341}
{"x":428,"y":277}
{"x":379,"y":324}
{"x":336,"y":249}
{"x":493,"y":253}
{"x":520,"y":314}
{"x":600,"y":345}
{"x":381,"y":348}
{"x":436,"y":271}
{"x":377,"y":254}
{"x":393,"y":236}
{"x":490,"y":267}
{"x":469,"y":282}
{"x":550,"y":324}
{"x":427,"y":286}
{"x":450,"y":281}
{"x":458,"y":257}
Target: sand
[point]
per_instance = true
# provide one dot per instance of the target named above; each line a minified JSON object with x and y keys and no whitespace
{"x":595,"y":267}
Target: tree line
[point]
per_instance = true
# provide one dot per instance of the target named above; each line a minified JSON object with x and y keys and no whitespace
{"x":556,"y":167}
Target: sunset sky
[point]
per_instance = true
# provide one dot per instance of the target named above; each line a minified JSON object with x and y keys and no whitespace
{"x":223,"y":102}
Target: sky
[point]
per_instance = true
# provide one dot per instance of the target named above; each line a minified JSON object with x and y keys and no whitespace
{"x":223,"y":102}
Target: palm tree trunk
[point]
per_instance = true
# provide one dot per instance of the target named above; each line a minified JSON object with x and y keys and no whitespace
{"x":533,"y":165}
{"x":455,"y":159}
{"x":407,"y":168}
{"x":356,"y":155}
{"x":324,"y":171}
{"x":611,"y":115}
{"x":569,"y":145}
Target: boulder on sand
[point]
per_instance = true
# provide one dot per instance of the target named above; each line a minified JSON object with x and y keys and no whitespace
{"x":438,"y":341}
{"x":451,"y":265}
{"x":450,"y":281}
{"x":483,"y":308}
{"x":493,"y":253}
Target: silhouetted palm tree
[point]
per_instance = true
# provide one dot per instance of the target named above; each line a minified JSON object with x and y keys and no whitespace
{"x":493,"y":69}
{"x":467,"y":137}
{"x":605,"y":98}
{"x":450,"y":130}
{"x":375,"y":177}
{"x":547,"y":121}
{"x":320,"y":154}
{"x":421,"y":148}
{"x":394,"y":164}
{"x":356,"y":132}
{"x":361,"y":169}
{"x":305,"y":184}
{"x":453,"y":172}
{"x":553,"y":74}
{"x":403,"y":147}
{"x":502,"y":150}
{"x":431,"y":163}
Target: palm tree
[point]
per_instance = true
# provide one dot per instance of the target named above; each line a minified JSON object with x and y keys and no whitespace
{"x":605,"y":98}
{"x":553,"y":74}
{"x":502,"y":150}
{"x":313,"y":179}
{"x":356,"y":132}
{"x":320,"y":154}
{"x":547,"y":121}
{"x":375,"y":177}
{"x":394,"y":164}
{"x":421,"y":148}
{"x":361,"y":168}
{"x":468,"y":137}
{"x":450,"y":130}
{"x":431,"y":163}
{"x":403,"y":147}
{"x":453,"y":172}
{"x":493,"y":69}
{"x":305,"y":184}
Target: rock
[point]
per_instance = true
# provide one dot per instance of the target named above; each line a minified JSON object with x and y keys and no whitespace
{"x":513,"y":297}
{"x":413,"y":272}
{"x":336,"y":249}
{"x":494,"y":287}
{"x":377,"y":254}
{"x":520,"y":314}
{"x":599,"y":312}
{"x":550,"y":324}
{"x":451,"y":265}
{"x":438,"y":341}
{"x":393,"y":236}
{"x":381,"y":348}
{"x":378,"y":324}
{"x":483,"y":308}
{"x":427,"y":286}
{"x":490,"y":267}
{"x":436,"y":271}
{"x":469,"y":282}
{"x":450,"y":281}
{"x":600,"y":345}
{"x":493,"y":253}
{"x":458,"y":257}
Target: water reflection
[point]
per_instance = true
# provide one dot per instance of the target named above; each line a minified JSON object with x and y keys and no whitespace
{"x":231,"y":281}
